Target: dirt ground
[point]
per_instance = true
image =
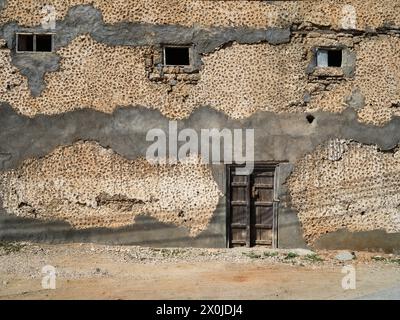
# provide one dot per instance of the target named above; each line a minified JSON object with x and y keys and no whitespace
{"x":85,"y":271}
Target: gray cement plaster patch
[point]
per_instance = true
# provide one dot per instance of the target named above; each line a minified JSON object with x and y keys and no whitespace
{"x":34,"y":66}
{"x":145,"y":231}
{"x":356,"y":100}
{"x":375,"y":240}
{"x":85,"y":19}
{"x":278,"y":137}
{"x":290,"y":233}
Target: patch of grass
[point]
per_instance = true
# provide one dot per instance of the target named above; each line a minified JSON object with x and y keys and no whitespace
{"x":164,"y":252}
{"x":11,"y":247}
{"x":271,"y":254}
{"x":291,"y":255}
{"x":383,"y":259}
{"x":313,"y":258}
{"x":378,"y":258}
{"x":395,"y":260}
{"x":252,"y":255}
{"x":172,"y":252}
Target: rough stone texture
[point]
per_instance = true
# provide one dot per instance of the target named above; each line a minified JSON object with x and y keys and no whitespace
{"x":254,"y":67}
{"x":275,"y":75}
{"x":375,"y":97}
{"x":91,"y":187}
{"x":358,"y":192}
{"x":332,"y":13}
{"x":85,"y":63}
{"x":222,"y":13}
{"x":381,"y":91}
{"x":88,"y":20}
{"x":283,"y":138}
{"x":269,"y":78}
{"x":243,"y":79}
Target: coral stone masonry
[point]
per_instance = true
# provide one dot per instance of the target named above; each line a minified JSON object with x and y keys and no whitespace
{"x":83,"y":82}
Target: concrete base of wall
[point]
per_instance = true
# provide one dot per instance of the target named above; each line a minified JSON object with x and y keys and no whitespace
{"x":146,"y":231}
{"x":377,"y":240}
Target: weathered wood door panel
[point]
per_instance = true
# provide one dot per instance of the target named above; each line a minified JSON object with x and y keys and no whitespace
{"x":252,"y":207}
{"x":262,"y":207}
{"x":240,"y":204}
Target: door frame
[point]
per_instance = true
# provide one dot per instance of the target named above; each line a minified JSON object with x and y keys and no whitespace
{"x":257,"y":165}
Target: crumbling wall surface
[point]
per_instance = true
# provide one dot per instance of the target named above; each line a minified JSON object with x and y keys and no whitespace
{"x":370,"y":14}
{"x":107,"y":67}
{"x":364,"y":15}
{"x":89,"y":186}
{"x":92,"y":75}
{"x":242,"y":79}
{"x":373,"y":89}
{"x":346,"y":185}
{"x":182,"y":12}
{"x":238,"y":80}
{"x":250,"y":56}
{"x":378,"y":78}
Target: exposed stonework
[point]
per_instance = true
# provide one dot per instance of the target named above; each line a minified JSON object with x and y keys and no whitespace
{"x":254,"y":67}
{"x":182,"y":12}
{"x":93,"y":75}
{"x":89,"y":186}
{"x":334,"y":13}
{"x":357,"y":191}
{"x":376,"y":97}
{"x":238,"y":79}
{"x":378,"y":77}
{"x":243,"y":79}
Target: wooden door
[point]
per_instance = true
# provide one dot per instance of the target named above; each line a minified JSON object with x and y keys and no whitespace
{"x":251,"y":207}
{"x":262,"y":207}
{"x":239,"y":210}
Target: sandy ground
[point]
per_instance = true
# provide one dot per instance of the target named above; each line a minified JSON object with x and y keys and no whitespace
{"x":108,"y":272}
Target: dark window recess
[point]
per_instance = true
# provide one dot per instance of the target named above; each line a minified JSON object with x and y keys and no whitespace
{"x":334,"y":58}
{"x":25,"y":42}
{"x":177,"y":56}
{"x":44,"y":42}
{"x":329,"y":58}
{"x":34,"y":42}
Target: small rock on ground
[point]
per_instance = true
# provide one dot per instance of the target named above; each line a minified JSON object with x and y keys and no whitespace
{"x":345,"y":256}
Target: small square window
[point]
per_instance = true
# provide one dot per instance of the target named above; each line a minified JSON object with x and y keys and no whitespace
{"x":25,"y":42}
{"x":34,"y":42}
{"x":329,"y":58}
{"x":177,"y":56}
{"x":44,"y":42}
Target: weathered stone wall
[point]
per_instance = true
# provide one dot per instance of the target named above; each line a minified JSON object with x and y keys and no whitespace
{"x":346,"y":185}
{"x":93,"y":75}
{"x":238,"y":80}
{"x":254,"y":61}
{"x":370,"y":13}
{"x":92,"y":187}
